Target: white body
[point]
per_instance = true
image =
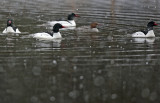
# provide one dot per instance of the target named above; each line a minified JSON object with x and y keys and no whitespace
{"x":10,"y":30}
{"x":142,"y":35}
{"x":69,"y":23}
{"x":94,"y":30}
{"x":47,"y":36}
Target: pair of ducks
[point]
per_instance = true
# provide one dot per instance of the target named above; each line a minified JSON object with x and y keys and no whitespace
{"x":71,"y":23}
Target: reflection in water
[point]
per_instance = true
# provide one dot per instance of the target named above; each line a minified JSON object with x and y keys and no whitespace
{"x":104,"y":67}
{"x":113,"y":12}
{"x":143,"y":40}
{"x":49,"y":43}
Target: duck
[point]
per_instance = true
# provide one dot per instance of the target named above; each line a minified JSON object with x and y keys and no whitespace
{"x":68,"y":23}
{"x":10,"y":28}
{"x":148,"y":32}
{"x":91,"y":28}
{"x":55,"y":34}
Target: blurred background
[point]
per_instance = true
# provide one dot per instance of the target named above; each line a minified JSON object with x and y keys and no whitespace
{"x":83,"y":67}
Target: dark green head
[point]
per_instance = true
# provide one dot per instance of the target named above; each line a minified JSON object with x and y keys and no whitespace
{"x":151,"y":24}
{"x":9,"y":22}
{"x":72,"y":16}
{"x":56,"y":27}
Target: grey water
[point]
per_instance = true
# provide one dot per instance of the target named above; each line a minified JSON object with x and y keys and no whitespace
{"x":83,"y":67}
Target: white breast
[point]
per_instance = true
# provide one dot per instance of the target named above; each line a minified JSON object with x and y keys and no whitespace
{"x":17,"y":31}
{"x":57,"y":35}
{"x":10,"y":30}
{"x":47,"y":36}
{"x":95,"y":30}
{"x":150,"y":34}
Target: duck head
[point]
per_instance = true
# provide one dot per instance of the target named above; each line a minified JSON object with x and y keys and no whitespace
{"x":56,"y":27}
{"x":72,"y":16}
{"x":151,"y":24}
{"x":9,"y":22}
{"x":94,"y":25}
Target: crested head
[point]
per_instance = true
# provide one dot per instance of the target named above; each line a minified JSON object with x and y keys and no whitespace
{"x":94,"y":25}
{"x":151,"y":24}
{"x":56,"y":27}
{"x":72,"y":16}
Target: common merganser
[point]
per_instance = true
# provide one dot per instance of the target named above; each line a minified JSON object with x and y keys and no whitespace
{"x":69,"y":23}
{"x":146,"y":33}
{"x":94,"y":27}
{"x":55,"y":34}
{"x":91,"y":28}
{"x":10,"y":28}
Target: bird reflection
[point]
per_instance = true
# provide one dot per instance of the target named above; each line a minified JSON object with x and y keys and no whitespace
{"x":144,"y":40}
{"x":49,"y":44}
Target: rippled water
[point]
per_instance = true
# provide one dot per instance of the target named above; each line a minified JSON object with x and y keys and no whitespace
{"x":83,"y":67}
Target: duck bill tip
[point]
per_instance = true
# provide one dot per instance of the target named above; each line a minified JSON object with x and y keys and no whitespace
{"x":77,"y":16}
{"x":155,"y":24}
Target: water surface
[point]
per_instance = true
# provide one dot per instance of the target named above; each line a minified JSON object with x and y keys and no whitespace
{"x":83,"y":67}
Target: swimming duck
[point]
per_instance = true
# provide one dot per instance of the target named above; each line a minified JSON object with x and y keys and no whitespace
{"x":94,"y":27}
{"x":10,"y":28}
{"x":148,"y":32}
{"x":91,"y":28}
{"x":68,"y":23}
{"x":55,"y":34}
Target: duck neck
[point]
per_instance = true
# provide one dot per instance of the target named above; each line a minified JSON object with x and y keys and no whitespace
{"x":57,"y":35}
{"x":70,"y":17}
{"x":9,"y":25}
{"x":149,"y":28}
{"x":71,"y":21}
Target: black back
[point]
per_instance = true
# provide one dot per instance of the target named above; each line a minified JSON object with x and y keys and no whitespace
{"x":50,"y":33}
{"x":145,"y":31}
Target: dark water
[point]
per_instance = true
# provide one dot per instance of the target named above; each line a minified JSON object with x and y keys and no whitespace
{"x":83,"y":67}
